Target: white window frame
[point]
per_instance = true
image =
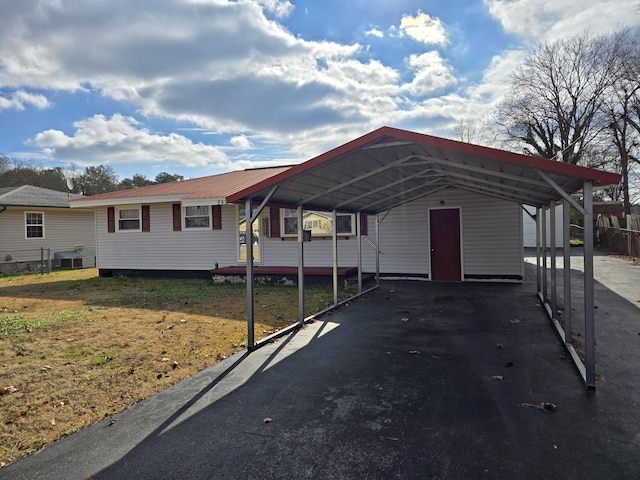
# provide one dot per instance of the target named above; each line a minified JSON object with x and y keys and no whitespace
{"x":118,"y":219}
{"x":27,"y":224}
{"x":283,"y":231}
{"x":185,"y":217}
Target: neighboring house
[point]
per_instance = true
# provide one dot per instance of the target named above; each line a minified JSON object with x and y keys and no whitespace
{"x":446,"y":211}
{"x":37,"y":224}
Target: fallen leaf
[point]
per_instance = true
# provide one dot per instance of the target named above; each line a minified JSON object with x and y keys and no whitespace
{"x":414,"y":352}
{"x":46,"y":367}
{"x":543,"y":406}
{"x":268,"y":420}
{"x":165,"y":359}
{"x":498,"y":377}
{"x":515,"y":320}
{"x":404,"y":319}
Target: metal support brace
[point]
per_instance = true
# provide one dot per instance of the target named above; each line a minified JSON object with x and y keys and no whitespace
{"x":300,"y":266}
{"x":559,"y":189}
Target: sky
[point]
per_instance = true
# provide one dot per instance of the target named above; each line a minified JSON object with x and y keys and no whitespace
{"x":199,"y":87}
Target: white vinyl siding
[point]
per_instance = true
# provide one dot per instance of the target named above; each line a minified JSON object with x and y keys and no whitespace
{"x":529,"y":227}
{"x":491,"y":236}
{"x":163,"y":249}
{"x":491,"y":239}
{"x":66,"y":229}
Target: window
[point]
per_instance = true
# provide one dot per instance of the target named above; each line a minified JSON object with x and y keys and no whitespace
{"x":197,"y":217}
{"x":129,"y":219}
{"x":320,"y":223}
{"x":34,"y":224}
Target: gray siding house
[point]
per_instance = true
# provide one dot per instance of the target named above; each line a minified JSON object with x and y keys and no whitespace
{"x":37,"y":224}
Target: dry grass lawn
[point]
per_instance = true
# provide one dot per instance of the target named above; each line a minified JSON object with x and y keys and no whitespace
{"x":75,"y":347}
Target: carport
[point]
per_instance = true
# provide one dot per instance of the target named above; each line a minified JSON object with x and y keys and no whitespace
{"x":388,"y":167}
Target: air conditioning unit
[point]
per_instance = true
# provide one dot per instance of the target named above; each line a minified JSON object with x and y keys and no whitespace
{"x":71,"y":259}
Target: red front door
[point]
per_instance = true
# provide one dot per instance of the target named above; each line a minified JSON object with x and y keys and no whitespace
{"x":444,"y":225}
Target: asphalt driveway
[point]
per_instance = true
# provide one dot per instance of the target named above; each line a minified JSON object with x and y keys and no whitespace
{"x":416,"y":380}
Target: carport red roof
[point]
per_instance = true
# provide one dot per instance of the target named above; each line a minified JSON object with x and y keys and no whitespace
{"x":389,"y":167}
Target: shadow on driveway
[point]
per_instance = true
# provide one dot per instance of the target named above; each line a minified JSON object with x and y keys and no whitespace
{"x":403,"y":383}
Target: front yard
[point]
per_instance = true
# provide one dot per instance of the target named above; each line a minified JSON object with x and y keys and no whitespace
{"x":76,"y":348}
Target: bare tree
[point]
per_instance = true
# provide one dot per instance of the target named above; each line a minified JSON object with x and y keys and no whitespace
{"x":465,"y":130}
{"x":619,"y":107}
{"x":554,"y":105}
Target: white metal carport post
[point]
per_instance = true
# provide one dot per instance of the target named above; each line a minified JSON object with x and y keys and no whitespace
{"x":566,"y":238}
{"x":300,"y":267}
{"x":249,"y":218}
{"x":249,"y":266}
{"x":334,"y":237}
{"x":589,"y":328}
{"x":552,"y":235}
{"x":359,"y":227}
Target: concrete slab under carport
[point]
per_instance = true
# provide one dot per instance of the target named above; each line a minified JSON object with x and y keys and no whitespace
{"x":396,"y":385}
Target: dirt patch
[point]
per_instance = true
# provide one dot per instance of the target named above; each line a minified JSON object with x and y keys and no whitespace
{"x":76,"y":348}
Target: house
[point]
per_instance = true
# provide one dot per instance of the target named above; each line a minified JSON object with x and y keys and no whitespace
{"x":400,"y":203}
{"x":39,"y":230}
{"x":442,"y":217}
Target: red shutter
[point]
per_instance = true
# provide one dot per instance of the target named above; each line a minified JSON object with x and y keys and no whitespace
{"x":146,"y":223}
{"x":216,"y":217}
{"x":177,"y":217}
{"x":274,"y":220}
{"x":111,"y":219}
{"x":364,"y":224}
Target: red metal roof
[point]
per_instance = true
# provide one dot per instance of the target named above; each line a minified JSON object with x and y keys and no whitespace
{"x":210,"y":187}
{"x":379,"y":171}
{"x":389,"y":166}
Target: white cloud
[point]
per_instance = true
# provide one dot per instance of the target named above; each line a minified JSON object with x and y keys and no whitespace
{"x":279,"y":8}
{"x":121,"y":139}
{"x":431,"y":74}
{"x":240,"y":142}
{"x":423,"y":28}
{"x":375,"y":32}
{"x":230,"y":68}
{"x":548,"y":20}
{"x":19,"y":99}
